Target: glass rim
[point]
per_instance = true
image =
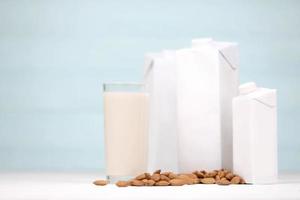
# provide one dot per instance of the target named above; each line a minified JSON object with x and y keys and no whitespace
{"x":123,"y":83}
{"x":123,"y":86}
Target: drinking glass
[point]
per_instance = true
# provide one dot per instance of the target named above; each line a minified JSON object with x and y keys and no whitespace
{"x":125,"y":129}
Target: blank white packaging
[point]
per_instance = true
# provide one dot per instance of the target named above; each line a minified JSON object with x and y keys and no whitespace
{"x":160,"y":81}
{"x":207,"y":80}
{"x":255,"y":134}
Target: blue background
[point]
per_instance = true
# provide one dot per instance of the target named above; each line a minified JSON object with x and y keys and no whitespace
{"x":54,"y":55}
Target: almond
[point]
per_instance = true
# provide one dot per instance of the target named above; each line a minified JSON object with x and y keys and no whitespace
{"x":226,"y":171}
{"x":229,"y":176}
{"x":235,"y":180}
{"x":100,"y":182}
{"x":193,"y":176}
{"x":122,"y":183}
{"x":141,"y":176}
{"x":208,"y":180}
{"x":211,"y":174}
{"x":186,"y":178}
{"x":162,"y":183}
{"x":177,"y":182}
{"x":217,"y":178}
{"x":172,"y":175}
{"x":183,"y":176}
{"x":148,"y":176}
{"x":137,"y":183}
{"x":223,"y":181}
{"x":145,"y":181}
{"x":164,"y":178}
{"x":196,"y":180}
{"x":195,"y":172}
{"x":221,"y":174}
{"x":157,"y":171}
{"x":166,"y":173}
{"x":155,"y":177}
{"x":150,"y":182}
{"x":200,"y":174}
{"x":242,"y":181}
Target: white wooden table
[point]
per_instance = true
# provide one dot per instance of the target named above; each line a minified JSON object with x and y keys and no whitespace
{"x":33,"y":186}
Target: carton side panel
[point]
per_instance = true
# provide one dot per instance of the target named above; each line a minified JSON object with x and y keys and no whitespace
{"x":265,"y":142}
{"x":198,"y":111}
{"x":229,"y":83}
{"x":242,"y":158}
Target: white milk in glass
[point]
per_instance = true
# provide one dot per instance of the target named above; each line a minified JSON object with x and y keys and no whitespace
{"x":126,"y":130}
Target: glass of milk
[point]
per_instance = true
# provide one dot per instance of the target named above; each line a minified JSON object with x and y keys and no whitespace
{"x":125,"y":129}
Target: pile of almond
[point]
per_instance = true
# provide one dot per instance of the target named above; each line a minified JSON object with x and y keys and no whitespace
{"x":158,"y":178}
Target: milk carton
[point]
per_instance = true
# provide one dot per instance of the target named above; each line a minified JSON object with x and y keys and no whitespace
{"x":207,"y":80}
{"x":255,"y":134}
{"x":160,"y":81}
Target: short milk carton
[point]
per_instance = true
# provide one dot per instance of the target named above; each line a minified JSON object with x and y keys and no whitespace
{"x":255,"y":134}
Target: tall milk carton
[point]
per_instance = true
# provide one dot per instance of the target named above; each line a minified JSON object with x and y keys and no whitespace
{"x":255,"y":134}
{"x":207,"y":81}
{"x":160,"y":82}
